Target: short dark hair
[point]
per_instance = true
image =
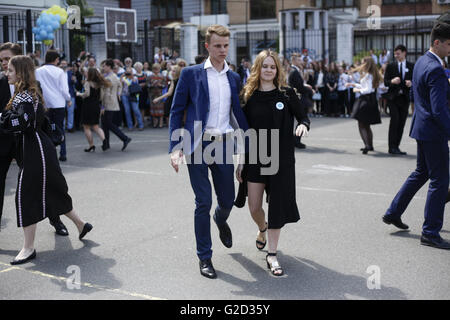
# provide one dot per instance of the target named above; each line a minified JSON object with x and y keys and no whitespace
{"x":51,"y":56}
{"x":401,"y":48}
{"x":109,"y":63}
{"x":440,"y":31}
{"x":15,"y":48}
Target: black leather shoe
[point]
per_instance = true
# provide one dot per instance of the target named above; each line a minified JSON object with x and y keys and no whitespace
{"x":300,"y":145}
{"x":60,"y":228}
{"x":22,"y":261}
{"x":105,"y":145}
{"x":125,"y":144}
{"x":62,"y":158}
{"x":87,"y":227}
{"x":207,"y":269}
{"x":396,"y":222}
{"x":397,"y":151}
{"x":225,"y":234}
{"x":435,"y":242}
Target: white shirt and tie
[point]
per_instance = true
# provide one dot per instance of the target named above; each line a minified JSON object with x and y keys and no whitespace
{"x":219,"y":100}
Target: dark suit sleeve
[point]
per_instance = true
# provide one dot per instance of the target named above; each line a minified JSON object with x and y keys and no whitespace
{"x":296,"y":81}
{"x":5,"y":94}
{"x":297,"y":109}
{"x":179,"y":104}
{"x":438,"y":99}
{"x":388,"y":76}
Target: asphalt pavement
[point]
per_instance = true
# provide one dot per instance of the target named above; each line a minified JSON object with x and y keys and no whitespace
{"x":143,"y":246}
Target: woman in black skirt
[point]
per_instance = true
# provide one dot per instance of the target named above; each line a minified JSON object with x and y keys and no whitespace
{"x":365,"y":109}
{"x":270,"y":107}
{"x":90,"y":115}
{"x":41,"y":189}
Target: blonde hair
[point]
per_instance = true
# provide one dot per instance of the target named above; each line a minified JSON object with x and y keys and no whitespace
{"x":218,"y":29}
{"x":255,"y":74}
{"x":26,"y":79}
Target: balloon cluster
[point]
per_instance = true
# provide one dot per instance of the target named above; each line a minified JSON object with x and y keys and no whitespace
{"x":49,"y":21}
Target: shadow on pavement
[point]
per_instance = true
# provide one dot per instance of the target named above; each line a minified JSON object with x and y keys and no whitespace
{"x":304,"y":279}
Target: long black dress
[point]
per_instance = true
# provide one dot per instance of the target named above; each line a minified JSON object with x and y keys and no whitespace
{"x":41,"y":189}
{"x":276,"y":110}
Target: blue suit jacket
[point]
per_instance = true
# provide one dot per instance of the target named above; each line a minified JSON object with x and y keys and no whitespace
{"x":192,"y":94}
{"x":431,"y":119}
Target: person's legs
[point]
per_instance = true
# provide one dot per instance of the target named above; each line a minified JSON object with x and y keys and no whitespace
{"x":70,"y":114}
{"x":437,"y":160}
{"x":127,"y":108}
{"x":402,"y":116}
{"x":99,"y":132}
{"x":57,"y":116}
{"x":109,"y":116}
{"x":198,"y":174}
{"x":393,"y":124}
{"x":88,"y":134}
{"x":255,"y":201}
{"x":79,"y":223}
{"x":137,"y":114}
{"x":413,"y":184}
{"x":28,"y":244}
{"x":364,"y":134}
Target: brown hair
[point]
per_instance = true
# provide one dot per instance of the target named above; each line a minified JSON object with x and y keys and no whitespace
{"x":96,"y":77}
{"x":26,"y":80}
{"x":369,"y":66}
{"x":255,"y":75}
{"x":218,"y":29}
{"x":15,"y":48}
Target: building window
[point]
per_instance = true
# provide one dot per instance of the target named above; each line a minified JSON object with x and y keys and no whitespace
{"x":309,"y":20}
{"x":262,"y":9}
{"x":167,"y":9}
{"x":328,"y":4}
{"x":295,"y":21}
{"x":218,"y":6}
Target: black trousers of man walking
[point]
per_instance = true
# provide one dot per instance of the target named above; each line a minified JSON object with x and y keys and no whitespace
{"x":398,"y":109}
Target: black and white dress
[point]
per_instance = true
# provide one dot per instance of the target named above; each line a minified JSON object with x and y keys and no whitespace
{"x":41,"y":189}
{"x":366,"y":108}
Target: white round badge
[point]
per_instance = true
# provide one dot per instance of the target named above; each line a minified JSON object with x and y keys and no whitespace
{"x":280,"y":105}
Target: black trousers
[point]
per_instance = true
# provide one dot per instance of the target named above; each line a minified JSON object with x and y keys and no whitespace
{"x":398,"y":109}
{"x":108,"y":124}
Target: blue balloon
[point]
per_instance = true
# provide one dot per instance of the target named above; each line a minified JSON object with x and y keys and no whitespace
{"x":35,"y":30}
{"x":55,"y":24}
{"x":43,"y":34}
{"x":48,"y":28}
{"x":38,"y":37}
{"x":50,"y":36}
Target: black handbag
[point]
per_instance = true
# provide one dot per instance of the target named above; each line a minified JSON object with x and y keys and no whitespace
{"x":134,"y":89}
{"x":52,"y":131}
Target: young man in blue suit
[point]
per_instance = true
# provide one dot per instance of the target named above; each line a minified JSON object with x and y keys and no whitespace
{"x":431,"y":129}
{"x":208,"y":96}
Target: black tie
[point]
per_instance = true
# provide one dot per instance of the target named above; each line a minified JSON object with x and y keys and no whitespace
{"x":401,"y":71}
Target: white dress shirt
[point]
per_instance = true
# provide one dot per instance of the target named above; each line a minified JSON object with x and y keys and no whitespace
{"x":403,"y":63}
{"x":366,"y":84}
{"x":219,"y":100}
{"x":54,"y":86}
{"x":439,"y":58}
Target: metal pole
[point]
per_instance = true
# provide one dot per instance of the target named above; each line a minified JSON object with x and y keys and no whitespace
{"x":247,"y":40}
{"x":146,"y":39}
{"x":5,"y":29}
{"x":29,"y":33}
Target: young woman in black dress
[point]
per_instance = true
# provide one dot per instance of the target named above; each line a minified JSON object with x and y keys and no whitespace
{"x":41,"y":189}
{"x":90,"y":115}
{"x":270,"y":105}
{"x":365,"y":109}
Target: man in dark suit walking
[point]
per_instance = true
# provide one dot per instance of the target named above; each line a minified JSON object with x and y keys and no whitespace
{"x":7,"y":142}
{"x":431,"y":129}
{"x":209,"y":94}
{"x":398,"y":78}
{"x":295,"y":81}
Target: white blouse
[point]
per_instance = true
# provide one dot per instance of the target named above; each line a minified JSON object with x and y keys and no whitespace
{"x":365,"y":84}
